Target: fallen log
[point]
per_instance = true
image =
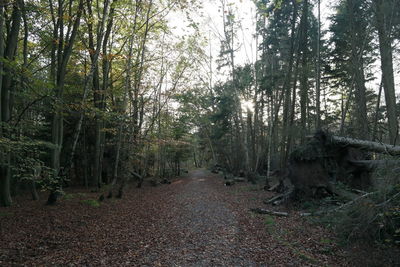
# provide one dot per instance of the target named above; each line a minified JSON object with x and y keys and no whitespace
{"x":138,"y":176}
{"x":373,"y":164}
{"x":280,"y":187}
{"x":279,"y":198}
{"x":239,"y":179}
{"x":274,"y":187}
{"x":367,"y":145}
{"x":270,"y":212}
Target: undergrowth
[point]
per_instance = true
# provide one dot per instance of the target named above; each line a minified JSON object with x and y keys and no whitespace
{"x":91,"y":202}
{"x":373,"y":216}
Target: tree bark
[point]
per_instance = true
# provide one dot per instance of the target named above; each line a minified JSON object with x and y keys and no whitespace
{"x":59,"y":67}
{"x":367,"y":145}
{"x":373,"y":164}
{"x":91,"y":79}
{"x":286,"y":87}
{"x":376,"y":117}
{"x":6,"y":89}
{"x":304,"y":72}
{"x":383,"y":22}
{"x":356,"y":61}
{"x":127,"y":88}
{"x":318,"y":76}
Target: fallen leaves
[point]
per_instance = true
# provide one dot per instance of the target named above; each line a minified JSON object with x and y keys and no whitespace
{"x":195,"y":221}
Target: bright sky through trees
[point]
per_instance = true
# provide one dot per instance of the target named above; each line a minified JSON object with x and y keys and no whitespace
{"x":211,"y":25}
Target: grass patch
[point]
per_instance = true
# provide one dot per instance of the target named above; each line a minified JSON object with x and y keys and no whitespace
{"x":69,"y":196}
{"x":91,"y":202}
{"x":306,"y":257}
{"x":269,"y":220}
{"x":326,"y":241}
{"x":6,"y":214}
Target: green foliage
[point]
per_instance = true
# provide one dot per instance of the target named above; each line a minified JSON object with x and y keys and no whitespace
{"x":69,"y":196}
{"x":376,"y":218}
{"x":28,"y":155}
{"x":244,"y":80}
{"x":91,"y":202}
{"x":6,"y":214}
{"x":308,"y":205}
{"x":326,"y":241}
{"x":33,"y":169}
{"x":269,"y":220}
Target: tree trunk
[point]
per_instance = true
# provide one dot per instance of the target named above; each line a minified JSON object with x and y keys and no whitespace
{"x":367,"y":145}
{"x":304,"y":71}
{"x":318,"y":76}
{"x":290,"y":137}
{"x":127,"y":88}
{"x":36,"y":176}
{"x":5,"y":196}
{"x":358,"y":73}
{"x":63,"y":56}
{"x":383,"y":18}
{"x":91,"y":79}
{"x":286,"y":87}
{"x":6,"y":92}
{"x":376,"y":117}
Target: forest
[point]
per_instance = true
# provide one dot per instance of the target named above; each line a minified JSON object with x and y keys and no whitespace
{"x":141,"y":120}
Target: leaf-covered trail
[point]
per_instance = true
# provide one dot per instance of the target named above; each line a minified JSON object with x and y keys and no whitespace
{"x":208,"y":230}
{"x":195,"y":221}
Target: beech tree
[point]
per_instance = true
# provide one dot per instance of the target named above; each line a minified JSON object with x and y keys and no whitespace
{"x":8,"y":49}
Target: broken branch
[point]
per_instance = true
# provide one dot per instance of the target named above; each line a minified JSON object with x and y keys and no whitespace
{"x":270,"y":212}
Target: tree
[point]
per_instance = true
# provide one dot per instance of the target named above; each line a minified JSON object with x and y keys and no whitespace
{"x":384,"y":13}
{"x":351,"y":53}
{"x":8,"y":52}
{"x":60,"y":54}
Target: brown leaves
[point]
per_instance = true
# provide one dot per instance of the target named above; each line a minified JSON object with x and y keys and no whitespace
{"x":193,"y":221}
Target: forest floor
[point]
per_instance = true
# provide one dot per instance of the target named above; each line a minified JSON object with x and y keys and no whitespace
{"x":195,"y":221}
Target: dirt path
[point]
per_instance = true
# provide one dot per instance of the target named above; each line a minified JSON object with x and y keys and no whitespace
{"x":208,"y":228}
{"x":195,"y":221}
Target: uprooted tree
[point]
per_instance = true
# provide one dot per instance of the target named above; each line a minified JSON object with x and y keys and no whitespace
{"x":325,"y":159}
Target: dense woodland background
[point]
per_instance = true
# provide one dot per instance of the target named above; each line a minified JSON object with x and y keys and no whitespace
{"x":97,"y":92}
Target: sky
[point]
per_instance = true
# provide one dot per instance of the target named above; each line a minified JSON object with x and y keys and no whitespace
{"x":211,"y":24}
{"x":210,"y":20}
{"x":246,"y":44}
{"x":246,"y":11}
